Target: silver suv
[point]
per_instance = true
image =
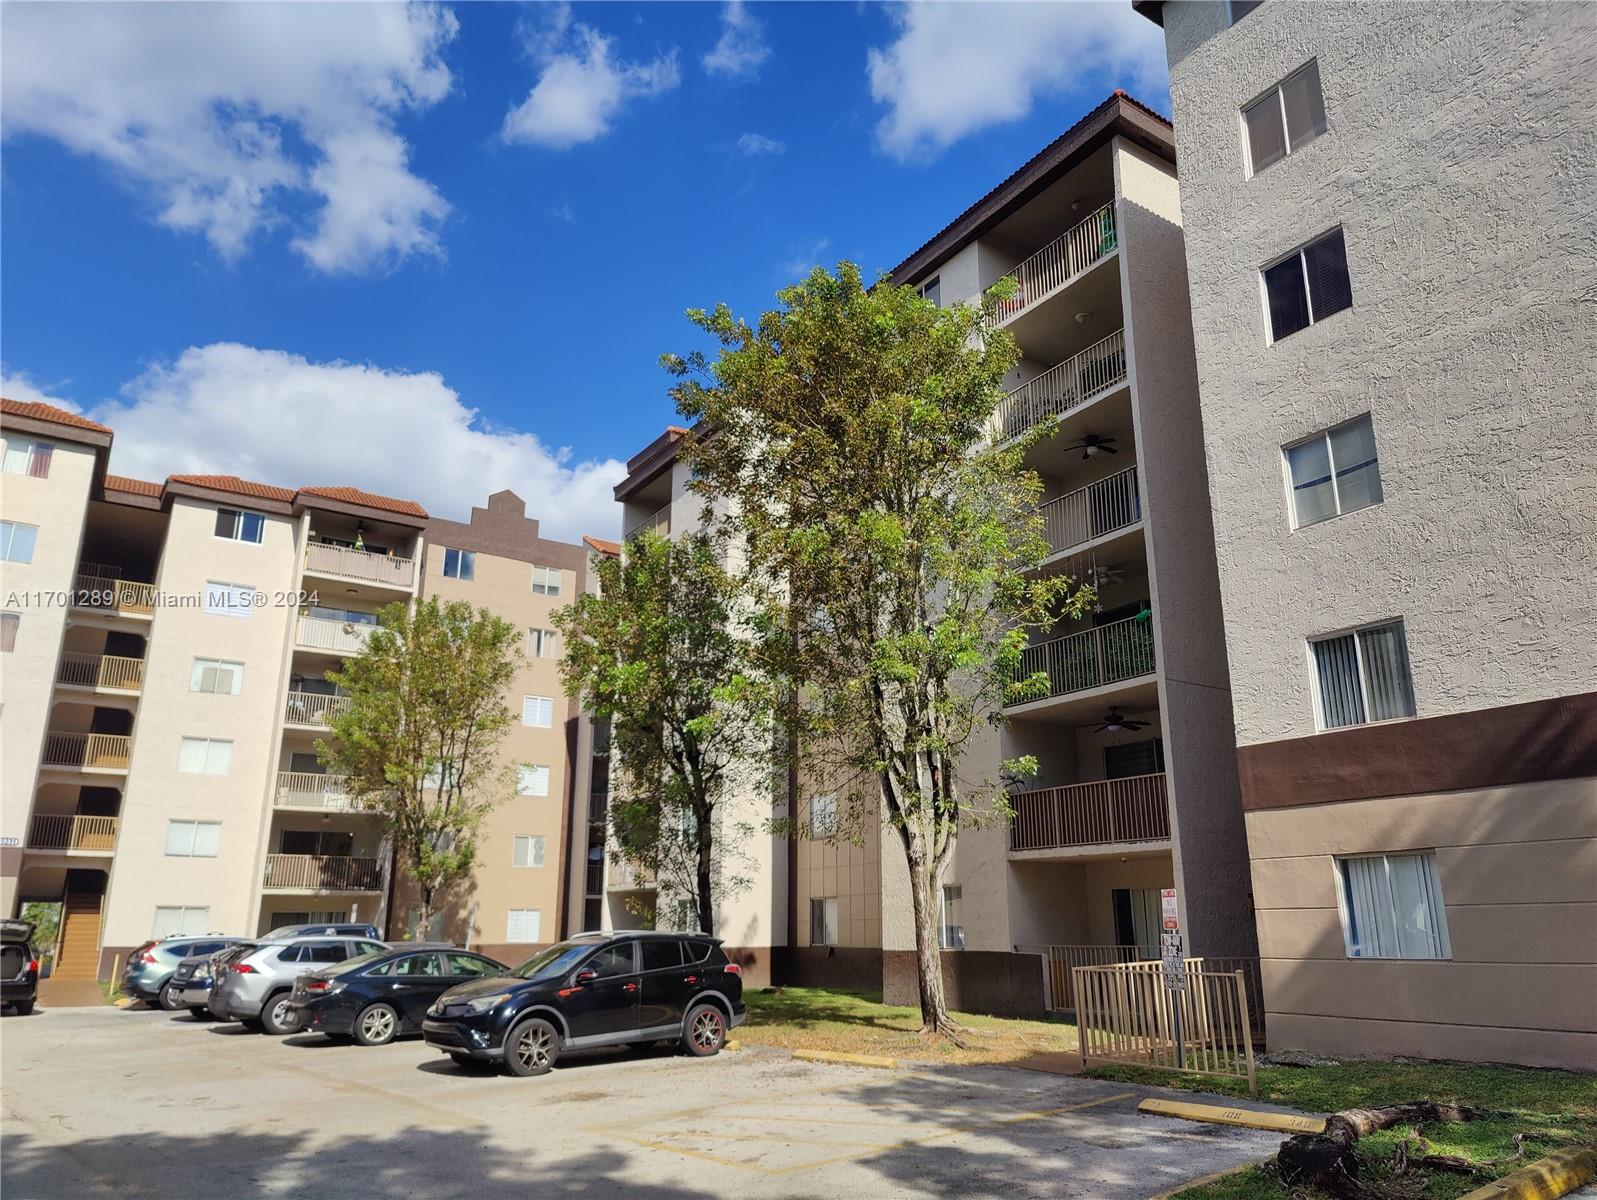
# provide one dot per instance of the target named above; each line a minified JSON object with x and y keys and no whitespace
{"x":256,"y":987}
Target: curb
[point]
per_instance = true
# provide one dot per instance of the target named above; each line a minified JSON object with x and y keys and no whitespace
{"x":1247,"y":1118}
{"x":1203,"y":1179}
{"x":856,"y":1060}
{"x":1545,"y":1179}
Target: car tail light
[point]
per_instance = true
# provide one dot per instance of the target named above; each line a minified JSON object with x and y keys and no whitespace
{"x":146,"y":957}
{"x":33,"y":965}
{"x":733,"y":969}
{"x":242,"y":968}
{"x":316,"y":985}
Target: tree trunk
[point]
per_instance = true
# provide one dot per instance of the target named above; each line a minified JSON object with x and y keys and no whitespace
{"x":924,"y":880}
{"x":704,"y":883}
{"x":1326,"y":1160}
{"x":424,"y":909}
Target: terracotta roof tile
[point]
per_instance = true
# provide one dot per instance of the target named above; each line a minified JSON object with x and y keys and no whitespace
{"x":49,"y":412}
{"x":349,"y":495}
{"x":139,"y":487}
{"x":239,"y":487}
{"x":602,"y":546}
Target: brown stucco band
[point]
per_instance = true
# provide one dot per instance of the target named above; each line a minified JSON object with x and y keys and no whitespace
{"x":995,"y":982}
{"x":1489,"y":747}
{"x":852,"y":968}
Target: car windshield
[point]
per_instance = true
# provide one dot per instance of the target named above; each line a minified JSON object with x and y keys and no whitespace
{"x":553,"y":961}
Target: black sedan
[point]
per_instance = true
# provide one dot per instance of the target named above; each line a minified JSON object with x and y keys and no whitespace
{"x":378,"y":997}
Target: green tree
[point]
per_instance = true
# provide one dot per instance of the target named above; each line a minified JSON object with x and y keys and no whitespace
{"x":419,"y":739}
{"x":889,"y":540}
{"x":665,"y":650}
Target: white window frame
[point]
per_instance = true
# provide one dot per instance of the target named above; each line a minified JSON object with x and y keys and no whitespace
{"x":1324,"y":435}
{"x":192,"y":829}
{"x":27,"y":447}
{"x":536,"y":921}
{"x":240,"y":599}
{"x":1364,"y":682}
{"x":209,"y":744}
{"x":238,"y":526}
{"x":463,"y":558}
{"x":823,"y":816}
{"x":1308,"y":292}
{"x":528,"y":779}
{"x":935,"y":282}
{"x":534,"y":843}
{"x":1438,"y":913}
{"x":1279,"y":90}
{"x":9,"y":537}
{"x":186,"y":914}
{"x":829,"y":921}
{"x":201,"y":665}
{"x":945,"y":899}
{"x":546,"y":581}
{"x":540,"y":701}
{"x":542,"y":641}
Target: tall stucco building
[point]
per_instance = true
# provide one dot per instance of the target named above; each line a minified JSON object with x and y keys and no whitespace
{"x":165,"y":652}
{"x":1390,"y":247}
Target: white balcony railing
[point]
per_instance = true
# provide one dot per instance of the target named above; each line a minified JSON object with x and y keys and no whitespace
{"x":312,"y":708}
{"x":325,"y":633}
{"x":1061,"y":388}
{"x":627,"y":877}
{"x":1090,"y":512}
{"x":1094,"y":657}
{"x":312,"y":789}
{"x":657,"y":522}
{"x":94,"y":835}
{"x":109,"y":671}
{"x":1104,"y":812}
{"x":90,"y":751}
{"x":345,"y":562}
{"x":1061,"y":261}
{"x":323,"y":873}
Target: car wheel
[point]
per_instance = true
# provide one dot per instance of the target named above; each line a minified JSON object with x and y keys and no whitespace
{"x":704,"y":1030}
{"x":277,"y":1018}
{"x":167,"y":1000}
{"x":377,"y":1025}
{"x":22,"y":1008}
{"x":532,"y":1047}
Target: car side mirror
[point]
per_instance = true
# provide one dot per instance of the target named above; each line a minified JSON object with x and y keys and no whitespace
{"x":586,"y":976}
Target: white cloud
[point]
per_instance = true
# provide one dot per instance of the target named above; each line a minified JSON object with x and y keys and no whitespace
{"x":230,"y":116}
{"x":581,"y":86}
{"x":959,"y":68}
{"x":19,"y":386}
{"x":805,"y":260}
{"x":752,"y":144}
{"x":278,"y":418}
{"x":741,"y":48}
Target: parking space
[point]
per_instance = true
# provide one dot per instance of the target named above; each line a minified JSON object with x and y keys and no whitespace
{"x":137,"y":1103}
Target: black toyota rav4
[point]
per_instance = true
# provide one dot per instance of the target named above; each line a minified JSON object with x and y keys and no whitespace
{"x":597,"y":989}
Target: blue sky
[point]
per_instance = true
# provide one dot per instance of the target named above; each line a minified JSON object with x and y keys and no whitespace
{"x":253,"y":248}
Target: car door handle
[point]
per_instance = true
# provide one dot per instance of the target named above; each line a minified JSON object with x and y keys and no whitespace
{"x":631,"y":987}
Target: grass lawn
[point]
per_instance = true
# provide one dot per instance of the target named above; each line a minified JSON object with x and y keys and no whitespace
{"x":1554,"y":1109}
{"x":859,"y":1023}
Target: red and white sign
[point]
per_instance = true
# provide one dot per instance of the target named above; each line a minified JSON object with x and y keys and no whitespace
{"x":1167,"y":901}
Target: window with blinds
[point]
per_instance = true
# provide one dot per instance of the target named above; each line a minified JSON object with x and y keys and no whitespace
{"x":526,"y":851}
{"x":1392,"y":906}
{"x":1334,"y":472}
{"x":1307,"y":285}
{"x":1284,"y":119}
{"x":1362,"y":676}
{"x":523,"y":925}
{"x":24,"y":456}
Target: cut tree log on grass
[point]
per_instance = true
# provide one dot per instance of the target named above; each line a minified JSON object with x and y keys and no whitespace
{"x":1326,"y":1160}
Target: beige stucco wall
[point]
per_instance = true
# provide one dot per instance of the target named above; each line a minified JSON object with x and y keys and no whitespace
{"x":1458,"y":163}
{"x":1518,"y":871}
{"x":143,"y":877}
{"x":56,"y":504}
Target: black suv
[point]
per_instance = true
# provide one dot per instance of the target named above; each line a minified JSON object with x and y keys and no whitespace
{"x":19,"y":967}
{"x":597,"y":989}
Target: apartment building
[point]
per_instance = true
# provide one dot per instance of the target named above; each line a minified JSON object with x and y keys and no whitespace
{"x":166,"y":650}
{"x":1390,"y":248}
{"x":1137,"y":789}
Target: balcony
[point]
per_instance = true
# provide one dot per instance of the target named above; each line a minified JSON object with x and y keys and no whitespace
{"x":338,"y":637}
{"x":627,"y":877}
{"x":1106,"y":813}
{"x":87,"y":751}
{"x":313,"y":789}
{"x":104,"y":672}
{"x":1094,"y":657}
{"x":312,"y":708}
{"x":72,"y":834}
{"x":1088,"y":513}
{"x":1070,"y":384}
{"x":1061,"y":262}
{"x":345,"y":562}
{"x":657,"y":522}
{"x":322,"y":873}
{"x":98,"y":589}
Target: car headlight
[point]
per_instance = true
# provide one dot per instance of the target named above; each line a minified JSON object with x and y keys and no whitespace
{"x":483,"y":1003}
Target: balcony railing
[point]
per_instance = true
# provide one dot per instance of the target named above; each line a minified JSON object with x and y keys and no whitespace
{"x":1061,"y":261}
{"x":92,"y":751}
{"x":313,"y":708}
{"x":346,"y":562}
{"x":323,"y":873}
{"x":1063,"y":387}
{"x":99,"y":588}
{"x":1080,"y":516}
{"x":312,"y":789}
{"x":109,"y":671}
{"x":1092,"y":658}
{"x":627,"y":877}
{"x":325,"y":633}
{"x":656,"y":522}
{"x":93,"y":834}
{"x":1107,"y":812}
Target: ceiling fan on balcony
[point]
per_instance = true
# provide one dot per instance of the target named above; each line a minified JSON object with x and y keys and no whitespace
{"x":1093,"y":443}
{"x":1113,"y":722}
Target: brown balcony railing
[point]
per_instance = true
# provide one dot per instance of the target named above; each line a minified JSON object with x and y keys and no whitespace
{"x":390,"y":570}
{"x":95,"y":834}
{"x":1063,"y":387}
{"x":312,"y":789}
{"x":323,"y":873}
{"x":1105,"y":812}
{"x":1094,"y":657}
{"x":100,"y":588}
{"x":109,"y":671}
{"x":313,"y":708}
{"x":97,"y":751}
{"x":1080,"y":516}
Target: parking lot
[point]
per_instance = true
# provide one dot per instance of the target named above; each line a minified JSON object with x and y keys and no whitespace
{"x":136,"y":1103}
